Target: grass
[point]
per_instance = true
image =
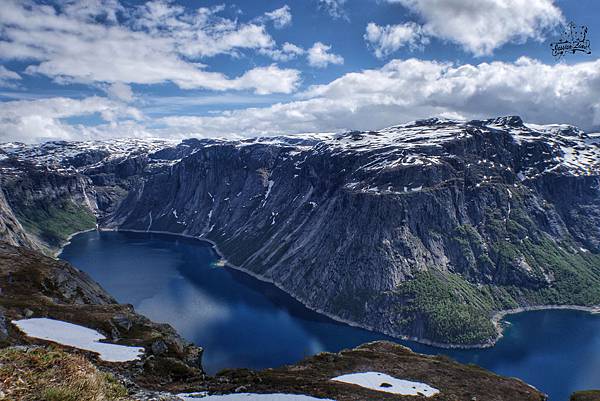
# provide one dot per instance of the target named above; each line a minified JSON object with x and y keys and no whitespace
{"x":54,"y":223}
{"x":47,"y":374}
{"x":589,"y":395}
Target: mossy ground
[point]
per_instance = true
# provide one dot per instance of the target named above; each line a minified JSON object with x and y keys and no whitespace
{"x":54,"y":223}
{"x":589,"y":395}
{"x":312,"y":376}
{"x":47,"y":374}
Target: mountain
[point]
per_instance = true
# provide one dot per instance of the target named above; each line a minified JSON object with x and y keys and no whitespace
{"x":423,"y":230}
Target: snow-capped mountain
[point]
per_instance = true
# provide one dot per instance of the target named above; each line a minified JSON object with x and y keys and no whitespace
{"x":423,"y":229}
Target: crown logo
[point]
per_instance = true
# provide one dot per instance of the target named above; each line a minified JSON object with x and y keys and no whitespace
{"x":572,"y":40}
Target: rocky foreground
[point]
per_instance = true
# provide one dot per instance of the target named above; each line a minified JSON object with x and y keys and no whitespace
{"x":36,"y":286}
{"x":33,"y":285}
{"x":423,"y":230}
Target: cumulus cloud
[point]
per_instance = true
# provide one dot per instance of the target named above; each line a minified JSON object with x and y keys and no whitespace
{"x":158,"y":42}
{"x":43,"y":119}
{"x":8,"y":77}
{"x":281,"y":17}
{"x":481,"y":26}
{"x":271,"y":79}
{"x":120,"y":91}
{"x":385,"y":40}
{"x":318,"y":56}
{"x":335,"y":8}
{"x":405,"y":90}
{"x":287,"y":52}
{"x":400,"y":91}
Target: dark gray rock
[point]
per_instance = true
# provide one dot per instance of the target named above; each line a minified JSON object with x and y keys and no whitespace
{"x":159,"y":347}
{"x":3,"y":326}
{"x":123,"y":322}
{"x":384,"y":228}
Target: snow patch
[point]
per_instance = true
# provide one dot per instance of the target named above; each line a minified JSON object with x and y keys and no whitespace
{"x":76,"y":336}
{"x":388,"y":384}
{"x":269,"y":188}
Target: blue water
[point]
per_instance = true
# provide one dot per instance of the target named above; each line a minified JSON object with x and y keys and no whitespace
{"x":243,"y":322}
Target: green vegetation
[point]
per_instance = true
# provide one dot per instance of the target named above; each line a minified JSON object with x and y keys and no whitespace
{"x":54,"y":223}
{"x":527,"y":266}
{"x":589,"y":395}
{"x":47,"y":374}
{"x":450,"y":308}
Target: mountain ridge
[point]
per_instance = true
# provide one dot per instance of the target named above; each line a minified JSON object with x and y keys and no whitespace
{"x":424,"y":230}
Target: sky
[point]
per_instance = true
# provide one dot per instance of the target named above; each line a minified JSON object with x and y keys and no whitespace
{"x":96,"y":69}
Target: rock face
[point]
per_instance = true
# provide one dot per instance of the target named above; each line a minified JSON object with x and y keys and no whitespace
{"x":421,"y":230}
{"x":11,"y":229}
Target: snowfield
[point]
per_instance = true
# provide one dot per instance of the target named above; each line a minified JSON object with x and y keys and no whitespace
{"x":388,"y":384}
{"x":417,"y":143}
{"x":249,"y":397}
{"x":76,"y":336}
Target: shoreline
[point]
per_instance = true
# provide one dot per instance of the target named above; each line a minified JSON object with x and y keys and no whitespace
{"x":496,"y":318}
{"x":56,"y":254}
{"x":500,"y":315}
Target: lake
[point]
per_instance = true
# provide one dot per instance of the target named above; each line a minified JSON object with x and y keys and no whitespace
{"x":243,"y":322}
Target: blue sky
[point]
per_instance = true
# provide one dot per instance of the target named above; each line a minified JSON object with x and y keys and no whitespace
{"x":103,"y":68}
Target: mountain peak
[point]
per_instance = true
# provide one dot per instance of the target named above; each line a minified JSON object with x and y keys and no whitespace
{"x":512,"y":121}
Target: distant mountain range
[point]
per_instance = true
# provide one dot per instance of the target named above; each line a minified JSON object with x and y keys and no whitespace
{"x":423,"y":230}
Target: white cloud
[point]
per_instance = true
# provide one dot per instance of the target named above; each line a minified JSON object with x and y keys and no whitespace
{"x":281,"y":17}
{"x":319,"y":56}
{"x":335,"y":8}
{"x":42,"y":119}
{"x":91,"y":9}
{"x":7,"y":77}
{"x":159,"y":43}
{"x":271,"y":79}
{"x":120,"y":91}
{"x":287,"y":52}
{"x":405,"y":90}
{"x":480,"y":26}
{"x":385,"y":40}
{"x":400,"y":91}
{"x":201,"y":34}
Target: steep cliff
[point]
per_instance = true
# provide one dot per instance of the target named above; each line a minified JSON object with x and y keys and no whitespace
{"x":53,"y":190}
{"x":422,"y":230}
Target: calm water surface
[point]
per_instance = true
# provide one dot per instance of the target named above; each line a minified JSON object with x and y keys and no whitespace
{"x":242,"y":322}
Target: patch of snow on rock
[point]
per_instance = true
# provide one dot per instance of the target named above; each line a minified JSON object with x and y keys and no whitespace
{"x":388,"y":384}
{"x":76,"y":336}
{"x":269,"y":188}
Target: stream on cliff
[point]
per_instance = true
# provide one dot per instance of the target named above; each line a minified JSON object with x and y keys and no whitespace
{"x":243,"y":322}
